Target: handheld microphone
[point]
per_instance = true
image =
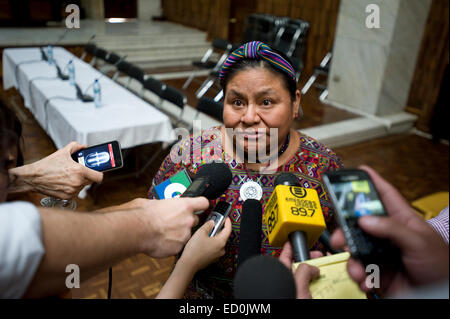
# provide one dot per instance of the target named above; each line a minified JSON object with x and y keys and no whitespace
{"x":211,"y":181}
{"x":250,"y":230}
{"x":293,"y":213}
{"x":325,"y":239}
{"x":264,"y":277}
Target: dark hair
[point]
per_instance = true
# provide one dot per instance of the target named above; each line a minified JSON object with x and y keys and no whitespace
{"x":10,"y":135}
{"x":290,"y":85}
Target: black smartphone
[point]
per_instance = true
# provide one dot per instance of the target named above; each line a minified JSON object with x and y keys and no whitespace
{"x":354,"y":195}
{"x":102,"y":157}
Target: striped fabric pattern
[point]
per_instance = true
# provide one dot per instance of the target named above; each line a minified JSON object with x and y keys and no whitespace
{"x":440,"y":224}
{"x":257,"y":50}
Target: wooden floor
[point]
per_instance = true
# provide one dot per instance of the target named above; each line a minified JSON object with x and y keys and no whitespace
{"x":413,"y":164}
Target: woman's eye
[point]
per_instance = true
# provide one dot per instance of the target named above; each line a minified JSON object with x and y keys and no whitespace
{"x":237,"y":102}
{"x":267,"y":102}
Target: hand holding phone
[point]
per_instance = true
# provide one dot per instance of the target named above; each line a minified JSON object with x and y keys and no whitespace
{"x":103,"y":157}
{"x":354,"y":196}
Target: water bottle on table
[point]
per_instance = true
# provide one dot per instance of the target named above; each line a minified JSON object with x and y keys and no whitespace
{"x":97,"y":94}
{"x":71,"y":69}
{"x":50,"y":54}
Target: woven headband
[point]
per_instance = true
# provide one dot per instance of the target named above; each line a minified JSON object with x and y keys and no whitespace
{"x":257,"y":50}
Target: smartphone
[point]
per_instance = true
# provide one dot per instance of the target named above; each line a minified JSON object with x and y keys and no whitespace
{"x":354,"y":195}
{"x":219,"y":214}
{"x":102,"y":157}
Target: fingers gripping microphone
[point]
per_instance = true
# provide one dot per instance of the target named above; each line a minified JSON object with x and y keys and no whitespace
{"x":264,"y":277}
{"x":293,"y":213}
{"x":250,"y":230}
{"x":211,"y":181}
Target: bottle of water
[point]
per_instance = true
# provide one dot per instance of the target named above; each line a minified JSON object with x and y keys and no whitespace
{"x":50,"y":54}
{"x":71,"y":69}
{"x":97,"y":94}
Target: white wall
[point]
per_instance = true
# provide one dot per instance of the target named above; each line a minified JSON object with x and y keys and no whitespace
{"x":146,"y":9}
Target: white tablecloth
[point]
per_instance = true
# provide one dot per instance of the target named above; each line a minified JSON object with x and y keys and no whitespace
{"x":123,"y":116}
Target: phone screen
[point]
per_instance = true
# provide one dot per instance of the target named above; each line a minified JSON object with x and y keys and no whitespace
{"x":357,"y":198}
{"x":99,"y":158}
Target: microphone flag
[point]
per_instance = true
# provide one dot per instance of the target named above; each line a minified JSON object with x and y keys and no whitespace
{"x":173,"y":187}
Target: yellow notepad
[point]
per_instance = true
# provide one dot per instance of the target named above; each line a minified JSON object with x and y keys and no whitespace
{"x":334,"y":281}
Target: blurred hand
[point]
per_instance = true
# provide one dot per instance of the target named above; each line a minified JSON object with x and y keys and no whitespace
{"x":58,"y":175}
{"x":423,"y":252}
{"x":202,"y":250}
{"x":167,"y":224}
{"x":304,"y":273}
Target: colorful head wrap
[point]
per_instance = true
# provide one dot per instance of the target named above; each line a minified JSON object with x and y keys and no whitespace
{"x":257,"y":50}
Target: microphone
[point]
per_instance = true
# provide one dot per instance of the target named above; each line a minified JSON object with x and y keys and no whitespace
{"x":293,"y":213}
{"x":61,"y":75}
{"x":83,"y":97}
{"x":211,"y":181}
{"x":264,"y":277}
{"x":325,"y":239}
{"x":43,"y":55}
{"x":250,"y":230}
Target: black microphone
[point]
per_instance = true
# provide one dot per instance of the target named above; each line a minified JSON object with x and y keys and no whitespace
{"x":83,"y":97}
{"x":250,"y":230}
{"x":264,"y":277}
{"x":325,"y":239}
{"x":61,"y":75}
{"x":211,"y":181}
{"x":43,"y":55}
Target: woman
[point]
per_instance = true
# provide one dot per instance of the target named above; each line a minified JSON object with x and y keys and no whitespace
{"x":260,"y":93}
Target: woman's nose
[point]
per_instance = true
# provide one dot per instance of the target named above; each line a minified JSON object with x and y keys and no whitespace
{"x":251,"y":115}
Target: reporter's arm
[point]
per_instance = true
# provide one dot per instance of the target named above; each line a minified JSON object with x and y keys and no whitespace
{"x":56,"y":175}
{"x":95,"y":241}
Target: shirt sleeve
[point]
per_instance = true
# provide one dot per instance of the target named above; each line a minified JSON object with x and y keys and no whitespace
{"x":440,"y":223}
{"x":21,"y":247}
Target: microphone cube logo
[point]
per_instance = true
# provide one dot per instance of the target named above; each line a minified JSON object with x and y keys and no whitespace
{"x":172,"y":187}
{"x":73,"y":19}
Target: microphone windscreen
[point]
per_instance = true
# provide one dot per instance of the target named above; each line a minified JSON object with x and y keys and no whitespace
{"x":288,"y":179}
{"x":264,"y":277}
{"x":250,"y":230}
{"x":219,"y":176}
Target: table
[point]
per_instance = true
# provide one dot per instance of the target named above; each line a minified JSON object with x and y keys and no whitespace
{"x":123,"y":116}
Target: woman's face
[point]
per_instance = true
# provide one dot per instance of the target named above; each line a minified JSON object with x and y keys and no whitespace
{"x":256,"y":100}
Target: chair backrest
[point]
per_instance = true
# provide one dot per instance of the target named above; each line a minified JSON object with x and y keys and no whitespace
{"x":293,"y":38}
{"x":154,"y":85}
{"x":124,"y":66}
{"x":211,"y":108}
{"x":136,"y":73}
{"x":221,"y":44}
{"x":90,"y":48}
{"x":174,"y":96}
{"x":112,"y":58}
{"x":101,"y":53}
